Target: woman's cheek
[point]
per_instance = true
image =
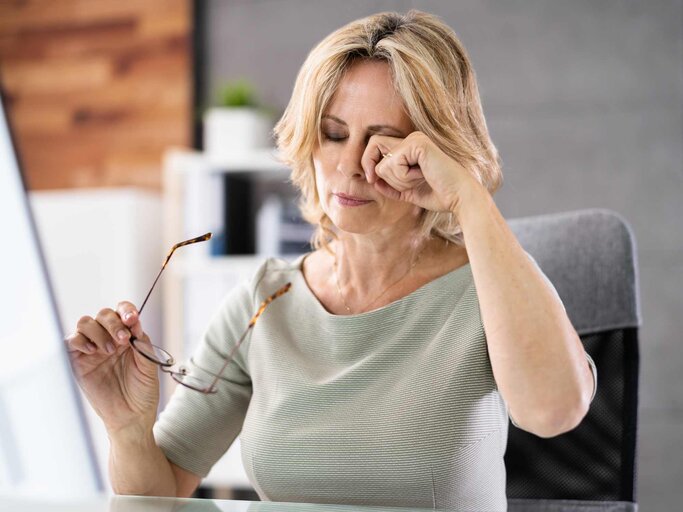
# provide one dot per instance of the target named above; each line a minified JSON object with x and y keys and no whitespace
{"x":322,"y":192}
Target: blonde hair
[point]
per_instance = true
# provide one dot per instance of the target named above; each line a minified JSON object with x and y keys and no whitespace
{"x":431,"y":73}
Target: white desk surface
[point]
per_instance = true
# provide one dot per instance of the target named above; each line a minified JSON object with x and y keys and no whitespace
{"x":154,"y":504}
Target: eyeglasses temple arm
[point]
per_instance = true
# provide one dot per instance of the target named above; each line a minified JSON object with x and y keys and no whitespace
{"x":252,"y":322}
{"x":229,"y":358}
{"x":201,"y":238}
{"x":154,"y":284}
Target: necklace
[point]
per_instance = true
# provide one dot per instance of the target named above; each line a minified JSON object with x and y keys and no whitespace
{"x":341,"y":294}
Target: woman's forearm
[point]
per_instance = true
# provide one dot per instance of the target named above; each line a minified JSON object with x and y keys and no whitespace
{"x":138,"y":466}
{"x":537,"y":358}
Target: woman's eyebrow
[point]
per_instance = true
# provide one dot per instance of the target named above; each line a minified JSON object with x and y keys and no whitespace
{"x":371,"y":128}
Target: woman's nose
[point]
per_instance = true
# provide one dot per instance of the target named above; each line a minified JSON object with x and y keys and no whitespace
{"x":349,"y":162}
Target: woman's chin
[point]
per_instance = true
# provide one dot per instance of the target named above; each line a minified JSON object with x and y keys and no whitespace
{"x":353,"y":226}
{"x":364,"y":222}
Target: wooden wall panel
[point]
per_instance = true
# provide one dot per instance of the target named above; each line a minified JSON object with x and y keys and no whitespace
{"x":97,"y":89}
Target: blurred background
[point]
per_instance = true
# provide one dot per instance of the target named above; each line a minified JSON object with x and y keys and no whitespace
{"x":117,"y":106}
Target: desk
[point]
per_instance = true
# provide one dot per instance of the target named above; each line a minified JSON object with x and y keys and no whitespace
{"x":153,"y":504}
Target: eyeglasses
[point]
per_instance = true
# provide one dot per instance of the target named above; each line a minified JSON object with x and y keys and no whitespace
{"x":165,"y":360}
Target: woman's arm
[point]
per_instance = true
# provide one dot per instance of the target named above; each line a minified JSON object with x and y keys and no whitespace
{"x":138,"y":466}
{"x":537,"y":357}
{"x":538,"y":360}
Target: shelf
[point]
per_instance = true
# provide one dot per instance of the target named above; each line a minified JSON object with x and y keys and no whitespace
{"x":263,"y":161}
{"x":221,"y":265}
{"x":216,"y":265}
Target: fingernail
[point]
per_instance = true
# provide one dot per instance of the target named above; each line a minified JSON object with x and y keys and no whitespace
{"x":128,"y":315}
{"x":121,"y":335}
{"x":109,"y":348}
{"x":90,"y":348}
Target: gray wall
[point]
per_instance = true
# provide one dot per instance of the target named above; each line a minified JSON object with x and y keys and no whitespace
{"x":584,"y":101}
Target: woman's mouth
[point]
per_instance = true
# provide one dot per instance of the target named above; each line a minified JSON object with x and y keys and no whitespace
{"x":346,"y":200}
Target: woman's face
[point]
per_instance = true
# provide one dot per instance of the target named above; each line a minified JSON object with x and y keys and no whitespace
{"x":364,"y":104}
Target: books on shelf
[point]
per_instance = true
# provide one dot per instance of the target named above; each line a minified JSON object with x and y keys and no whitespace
{"x":248,"y":211}
{"x":202,"y":212}
{"x":280,"y":230}
{"x":262,"y":219}
{"x":238,"y":214}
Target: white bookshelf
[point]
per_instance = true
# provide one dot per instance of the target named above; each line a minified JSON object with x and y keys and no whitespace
{"x":192,"y":202}
{"x":260,"y":161}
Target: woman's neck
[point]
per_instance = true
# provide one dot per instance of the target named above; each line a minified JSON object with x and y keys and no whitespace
{"x":364,"y":268}
{"x":373,"y":261}
{"x":438,"y":258}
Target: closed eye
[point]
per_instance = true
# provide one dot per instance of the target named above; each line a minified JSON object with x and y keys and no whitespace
{"x":333,"y":137}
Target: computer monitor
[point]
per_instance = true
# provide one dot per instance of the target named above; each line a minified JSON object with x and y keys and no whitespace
{"x":45,"y":445}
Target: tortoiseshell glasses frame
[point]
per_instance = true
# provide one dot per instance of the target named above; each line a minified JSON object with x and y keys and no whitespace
{"x":165,"y":360}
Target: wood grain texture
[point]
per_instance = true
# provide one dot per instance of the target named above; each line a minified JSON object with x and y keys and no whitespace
{"x":97,"y":89}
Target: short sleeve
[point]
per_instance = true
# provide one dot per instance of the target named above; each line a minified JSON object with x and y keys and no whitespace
{"x":196,"y":429}
{"x":594,"y":373}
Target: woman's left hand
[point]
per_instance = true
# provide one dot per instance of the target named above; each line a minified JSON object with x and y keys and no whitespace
{"x":415,"y":170}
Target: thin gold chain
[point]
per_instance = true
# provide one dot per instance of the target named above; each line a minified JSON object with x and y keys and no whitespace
{"x":341,"y":294}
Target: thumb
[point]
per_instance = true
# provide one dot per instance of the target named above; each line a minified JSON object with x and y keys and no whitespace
{"x":149,"y":369}
{"x":141,"y":358}
{"x":130,"y":317}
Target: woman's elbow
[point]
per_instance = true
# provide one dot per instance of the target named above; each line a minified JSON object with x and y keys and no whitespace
{"x":560,"y":424}
{"x":560,"y":420}
{"x":551,"y":421}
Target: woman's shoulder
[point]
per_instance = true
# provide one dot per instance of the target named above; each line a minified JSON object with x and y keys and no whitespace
{"x":274,"y":272}
{"x":280,"y":264}
{"x":443,"y":260}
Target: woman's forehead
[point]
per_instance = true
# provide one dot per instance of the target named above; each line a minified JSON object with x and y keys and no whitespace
{"x":366,"y":93}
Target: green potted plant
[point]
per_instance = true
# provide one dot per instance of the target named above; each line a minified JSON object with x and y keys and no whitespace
{"x":239,"y":123}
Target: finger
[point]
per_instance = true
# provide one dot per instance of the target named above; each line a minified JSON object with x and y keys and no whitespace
{"x":378,"y":146}
{"x":128,"y":312}
{"x":111,"y":321}
{"x":388,"y":173}
{"x":77,"y":343}
{"x":130,"y":317}
{"x":387,"y":191}
{"x":398,"y":173}
{"x":97,"y":334}
{"x":397,"y":166}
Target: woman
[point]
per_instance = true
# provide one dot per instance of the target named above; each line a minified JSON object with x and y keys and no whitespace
{"x":387,"y":373}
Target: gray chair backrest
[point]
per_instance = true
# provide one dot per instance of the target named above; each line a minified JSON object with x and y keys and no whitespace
{"x":590,"y":257}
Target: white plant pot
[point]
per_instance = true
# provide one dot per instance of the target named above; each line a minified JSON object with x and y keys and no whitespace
{"x":235,"y":130}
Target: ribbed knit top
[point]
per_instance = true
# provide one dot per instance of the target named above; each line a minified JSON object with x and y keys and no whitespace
{"x":394,"y":407}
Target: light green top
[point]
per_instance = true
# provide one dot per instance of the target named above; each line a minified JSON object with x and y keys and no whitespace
{"x":392,"y":407}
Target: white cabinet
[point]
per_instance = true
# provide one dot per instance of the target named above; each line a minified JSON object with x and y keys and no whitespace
{"x":101,"y":246}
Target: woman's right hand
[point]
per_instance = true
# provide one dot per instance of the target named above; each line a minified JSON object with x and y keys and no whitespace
{"x":120,"y":384}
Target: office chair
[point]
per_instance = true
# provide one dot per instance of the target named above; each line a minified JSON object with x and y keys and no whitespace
{"x":590,"y":257}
